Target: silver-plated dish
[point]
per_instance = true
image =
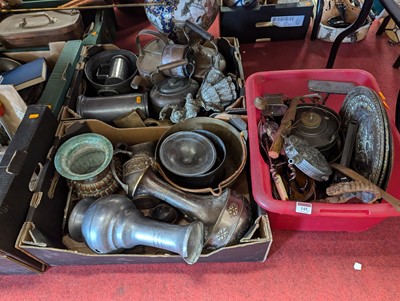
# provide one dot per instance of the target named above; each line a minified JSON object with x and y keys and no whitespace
{"x":373,"y":143}
{"x":214,"y":175}
{"x":187,"y":153}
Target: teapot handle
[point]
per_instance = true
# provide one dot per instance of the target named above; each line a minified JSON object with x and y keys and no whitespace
{"x":151,"y":33}
{"x":203,"y":34}
{"x":171,"y":65}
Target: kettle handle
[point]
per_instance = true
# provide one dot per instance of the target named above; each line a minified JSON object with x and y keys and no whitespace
{"x":202,"y":33}
{"x":171,"y":65}
{"x":151,"y":33}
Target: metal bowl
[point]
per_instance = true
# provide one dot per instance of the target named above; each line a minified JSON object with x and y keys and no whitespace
{"x":187,"y":154}
{"x":236,"y":152}
{"x":83,"y":157}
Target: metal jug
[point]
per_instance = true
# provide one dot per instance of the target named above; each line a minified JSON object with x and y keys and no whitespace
{"x":112,"y":223}
{"x":226,"y":217}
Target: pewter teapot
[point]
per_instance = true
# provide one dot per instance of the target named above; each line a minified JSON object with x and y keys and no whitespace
{"x":172,"y":90}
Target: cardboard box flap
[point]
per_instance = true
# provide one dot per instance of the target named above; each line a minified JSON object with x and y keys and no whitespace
{"x":11,"y":265}
{"x":259,"y":229}
{"x":35,"y":237}
{"x":257,"y":250}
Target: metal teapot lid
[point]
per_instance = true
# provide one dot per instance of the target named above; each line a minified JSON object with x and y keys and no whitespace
{"x":172,"y":85}
{"x":316,"y":124}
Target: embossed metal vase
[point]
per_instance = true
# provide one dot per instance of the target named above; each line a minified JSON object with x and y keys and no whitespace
{"x":226,"y":217}
{"x":113,"y":223}
{"x":85,"y":161}
{"x":170,"y":19}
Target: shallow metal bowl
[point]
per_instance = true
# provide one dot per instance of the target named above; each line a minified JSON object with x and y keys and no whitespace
{"x":187,"y":153}
{"x":235,"y":145}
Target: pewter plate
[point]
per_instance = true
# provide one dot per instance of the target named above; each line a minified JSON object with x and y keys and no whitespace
{"x":371,"y":151}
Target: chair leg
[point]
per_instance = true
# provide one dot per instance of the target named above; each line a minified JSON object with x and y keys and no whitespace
{"x":383,"y":25}
{"x":317,"y":19}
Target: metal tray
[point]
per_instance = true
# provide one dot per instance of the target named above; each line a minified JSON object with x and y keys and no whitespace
{"x":373,"y":143}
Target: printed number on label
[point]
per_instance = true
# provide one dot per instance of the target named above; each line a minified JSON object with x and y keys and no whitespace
{"x":304,"y":208}
{"x":288,"y":21}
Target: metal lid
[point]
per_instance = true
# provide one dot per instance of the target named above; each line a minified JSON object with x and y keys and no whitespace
{"x":373,"y":142}
{"x":172,"y":85}
{"x":316,"y":124}
{"x":30,"y":25}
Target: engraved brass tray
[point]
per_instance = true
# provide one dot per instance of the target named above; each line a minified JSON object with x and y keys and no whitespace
{"x":373,"y":141}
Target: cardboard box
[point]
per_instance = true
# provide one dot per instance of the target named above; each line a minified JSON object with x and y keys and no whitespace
{"x":61,"y":59}
{"x":44,"y":237}
{"x":103,"y":26}
{"x":285,"y":20}
{"x":20,"y":172}
{"x":60,"y":79}
{"x":227,"y":46}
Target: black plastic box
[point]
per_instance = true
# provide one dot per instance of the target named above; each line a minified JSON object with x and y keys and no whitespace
{"x":20,"y":171}
{"x":271,"y":22}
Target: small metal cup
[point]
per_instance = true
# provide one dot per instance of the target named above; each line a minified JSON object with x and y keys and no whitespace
{"x":119,"y":70}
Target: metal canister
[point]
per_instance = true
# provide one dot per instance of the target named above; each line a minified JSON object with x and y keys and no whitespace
{"x":119,"y":70}
{"x":107,"y":108}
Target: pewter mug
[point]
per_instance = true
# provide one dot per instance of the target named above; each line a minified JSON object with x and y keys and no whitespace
{"x":103,"y":58}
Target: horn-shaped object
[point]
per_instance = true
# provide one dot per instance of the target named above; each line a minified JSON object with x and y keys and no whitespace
{"x":226,"y":217}
{"x":85,"y":161}
{"x":113,"y":223}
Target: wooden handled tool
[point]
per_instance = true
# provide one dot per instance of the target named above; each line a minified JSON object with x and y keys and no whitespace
{"x":286,"y":123}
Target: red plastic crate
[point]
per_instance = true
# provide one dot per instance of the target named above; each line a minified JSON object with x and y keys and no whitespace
{"x":324,"y":217}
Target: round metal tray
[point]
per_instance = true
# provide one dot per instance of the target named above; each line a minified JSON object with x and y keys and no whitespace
{"x":373,"y":143}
